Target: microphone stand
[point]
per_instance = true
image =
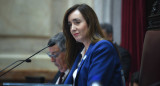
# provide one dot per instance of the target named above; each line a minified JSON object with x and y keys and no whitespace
{"x":22,"y":61}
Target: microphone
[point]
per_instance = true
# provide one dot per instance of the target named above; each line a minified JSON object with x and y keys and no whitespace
{"x":50,"y":44}
{"x":26,"y":60}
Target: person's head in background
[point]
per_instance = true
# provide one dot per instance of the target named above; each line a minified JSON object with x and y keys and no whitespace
{"x":107,"y":30}
{"x":57,"y":52}
{"x":134,"y":79}
{"x":80,"y":24}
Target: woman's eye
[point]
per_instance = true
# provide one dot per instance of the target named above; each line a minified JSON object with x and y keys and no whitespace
{"x":77,"y":22}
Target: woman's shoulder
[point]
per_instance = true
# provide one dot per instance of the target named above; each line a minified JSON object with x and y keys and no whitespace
{"x":104,"y":43}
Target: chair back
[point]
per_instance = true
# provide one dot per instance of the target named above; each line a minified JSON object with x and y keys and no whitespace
{"x":150,"y":62}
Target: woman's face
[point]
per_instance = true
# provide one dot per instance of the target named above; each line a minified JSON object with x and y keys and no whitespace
{"x":78,"y":26}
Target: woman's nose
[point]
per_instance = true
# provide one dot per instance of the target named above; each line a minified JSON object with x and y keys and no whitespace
{"x":73,"y":27}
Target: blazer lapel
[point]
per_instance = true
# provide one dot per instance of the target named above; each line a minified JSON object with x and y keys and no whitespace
{"x":84,"y":59}
{"x":69,"y":79}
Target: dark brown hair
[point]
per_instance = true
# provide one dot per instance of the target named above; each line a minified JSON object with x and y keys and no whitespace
{"x":95,"y":32}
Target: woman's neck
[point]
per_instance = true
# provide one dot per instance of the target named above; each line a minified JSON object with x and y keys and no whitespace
{"x":86,"y":45}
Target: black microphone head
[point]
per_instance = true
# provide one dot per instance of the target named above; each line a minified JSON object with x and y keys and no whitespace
{"x":28,"y":60}
{"x":50,"y":44}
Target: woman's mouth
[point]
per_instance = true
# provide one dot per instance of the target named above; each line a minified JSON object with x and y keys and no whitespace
{"x":76,"y":34}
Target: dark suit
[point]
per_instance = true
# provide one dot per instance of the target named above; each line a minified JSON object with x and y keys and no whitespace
{"x":56,"y":77}
{"x":101,"y":63}
{"x":125,"y":59}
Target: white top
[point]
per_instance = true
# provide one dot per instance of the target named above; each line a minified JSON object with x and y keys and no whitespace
{"x":75,"y":72}
{"x":65,"y":74}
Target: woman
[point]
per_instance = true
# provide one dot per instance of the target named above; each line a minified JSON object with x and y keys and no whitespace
{"x":90,"y":57}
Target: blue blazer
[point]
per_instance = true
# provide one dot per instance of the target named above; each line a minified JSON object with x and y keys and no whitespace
{"x":100,"y":64}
